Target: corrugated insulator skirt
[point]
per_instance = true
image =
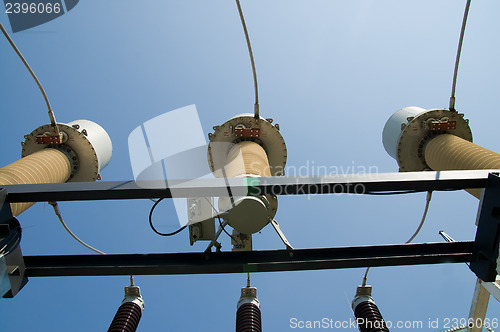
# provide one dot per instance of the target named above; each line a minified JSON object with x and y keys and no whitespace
{"x":45,"y":166}
{"x":247,"y":158}
{"x":248,"y":318}
{"x":127,"y":318}
{"x":369,"y":318}
{"x":449,"y":152}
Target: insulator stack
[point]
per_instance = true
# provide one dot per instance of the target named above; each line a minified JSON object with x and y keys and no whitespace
{"x":253,"y":161}
{"x":450,"y":152}
{"x":81,"y":151}
{"x":437,"y":140}
{"x":247,"y":147}
{"x":127,"y":318}
{"x":248,"y":316}
{"x":368,"y":316}
{"x":130,"y":311}
{"x":45,"y":166}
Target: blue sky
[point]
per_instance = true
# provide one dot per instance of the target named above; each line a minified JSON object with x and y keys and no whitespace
{"x":330,"y":73}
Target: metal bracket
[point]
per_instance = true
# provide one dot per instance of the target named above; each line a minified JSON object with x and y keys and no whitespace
{"x":486,"y":245}
{"x":201,"y":219}
{"x":12,"y":269}
{"x":216,"y":236}
{"x":281,"y":235}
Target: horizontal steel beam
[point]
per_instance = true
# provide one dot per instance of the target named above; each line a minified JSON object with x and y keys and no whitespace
{"x":251,"y":261}
{"x":282,"y":185}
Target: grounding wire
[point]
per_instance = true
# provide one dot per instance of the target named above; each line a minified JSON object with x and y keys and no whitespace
{"x":247,"y":37}
{"x":151,"y":221}
{"x":51,"y":113}
{"x":457,"y":60}
{"x":422,"y":221}
{"x":58,"y":214}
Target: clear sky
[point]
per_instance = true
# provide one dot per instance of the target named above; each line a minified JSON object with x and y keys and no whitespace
{"x":330,"y":73}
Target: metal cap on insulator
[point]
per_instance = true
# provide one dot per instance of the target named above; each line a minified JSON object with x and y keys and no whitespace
{"x":368,"y":316}
{"x":130,"y":311}
{"x":248,"y":316}
{"x":85,"y":143}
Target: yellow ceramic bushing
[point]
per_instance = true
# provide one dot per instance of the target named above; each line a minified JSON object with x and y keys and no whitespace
{"x":450,"y":152}
{"x":45,"y":166}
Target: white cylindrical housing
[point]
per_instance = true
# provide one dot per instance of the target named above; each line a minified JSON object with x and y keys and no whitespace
{"x":393,"y":128}
{"x":86,"y":144}
{"x":98,"y":137}
{"x":408,"y":131}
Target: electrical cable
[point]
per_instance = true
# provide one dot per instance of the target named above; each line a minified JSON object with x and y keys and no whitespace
{"x":242,"y":18}
{"x":393,"y":192}
{"x":422,"y":221}
{"x":404,"y":192}
{"x":457,"y":60}
{"x":51,"y":113}
{"x":58,"y":214}
{"x":151,"y":221}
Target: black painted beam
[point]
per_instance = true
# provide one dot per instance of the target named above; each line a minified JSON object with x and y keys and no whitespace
{"x":338,"y":184}
{"x":251,"y":261}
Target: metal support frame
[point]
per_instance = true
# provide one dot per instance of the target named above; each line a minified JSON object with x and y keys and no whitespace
{"x":248,"y":261}
{"x":479,"y":253}
{"x":274,"y":185}
{"x":486,"y":244}
{"x":12,"y":270}
{"x":479,"y":306}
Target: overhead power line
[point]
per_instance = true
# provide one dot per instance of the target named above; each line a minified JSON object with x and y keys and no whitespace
{"x":256,"y":106}
{"x":457,"y":61}
{"x":51,"y":113}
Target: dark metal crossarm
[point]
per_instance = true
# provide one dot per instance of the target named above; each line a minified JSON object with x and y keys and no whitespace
{"x":251,"y":261}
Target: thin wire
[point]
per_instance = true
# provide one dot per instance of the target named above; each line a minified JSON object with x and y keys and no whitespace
{"x":12,"y":244}
{"x":393,"y":192}
{"x":151,"y":221}
{"x":221,"y":225}
{"x":422,"y":221}
{"x":51,"y":113}
{"x":58,"y":214}
{"x":242,"y":18}
{"x":459,"y":51}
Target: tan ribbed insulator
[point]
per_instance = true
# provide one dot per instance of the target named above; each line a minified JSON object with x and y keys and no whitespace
{"x":247,"y":158}
{"x":45,"y":166}
{"x":449,"y":152}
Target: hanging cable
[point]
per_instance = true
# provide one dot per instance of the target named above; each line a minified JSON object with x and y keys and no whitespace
{"x":52,"y":117}
{"x":422,"y":221}
{"x":242,"y":18}
{"x":58,"y":214}
{"x":459,"y":51}
{"x":151,"y":221}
